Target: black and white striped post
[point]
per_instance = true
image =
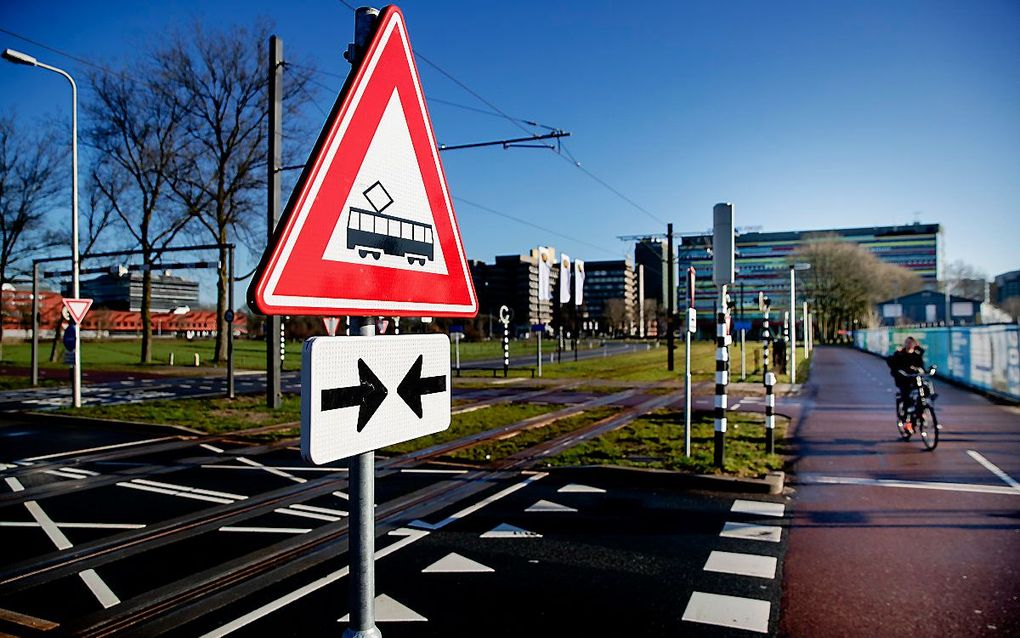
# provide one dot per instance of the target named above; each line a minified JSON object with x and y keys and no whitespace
{"x":768,"y":377}
{"x":722,"y":372}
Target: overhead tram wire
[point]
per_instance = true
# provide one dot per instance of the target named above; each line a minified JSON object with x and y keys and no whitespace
{"x":533,"y":225}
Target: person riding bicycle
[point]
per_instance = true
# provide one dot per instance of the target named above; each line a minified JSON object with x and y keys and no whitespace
{"x":905,"y":362}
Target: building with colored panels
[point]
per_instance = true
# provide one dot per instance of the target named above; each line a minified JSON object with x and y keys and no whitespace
{"x":763,"y":260}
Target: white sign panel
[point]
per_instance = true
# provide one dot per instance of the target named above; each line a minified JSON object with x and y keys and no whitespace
{"x":545,"y":259}
{"x":364,"y":393}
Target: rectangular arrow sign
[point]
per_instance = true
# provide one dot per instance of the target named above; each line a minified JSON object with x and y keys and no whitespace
{"x":364,"y":393}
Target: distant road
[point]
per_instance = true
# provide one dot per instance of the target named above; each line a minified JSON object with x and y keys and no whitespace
{"x":146,"y":387}
{"x":888,"y":539}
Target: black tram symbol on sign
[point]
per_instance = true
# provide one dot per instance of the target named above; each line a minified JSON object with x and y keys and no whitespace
{"x":371,"y":232}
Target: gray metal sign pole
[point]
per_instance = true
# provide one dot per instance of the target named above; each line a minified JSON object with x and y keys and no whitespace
{"x":362,"y":472}
{"x":275,"y":160}
{"x":670,"y":295}
{"x":35,"y":324}
{"x":230,"y":325}
{"x":792,"y":318}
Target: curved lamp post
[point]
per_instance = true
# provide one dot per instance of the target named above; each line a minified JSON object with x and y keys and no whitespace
{"x":18,"y":57}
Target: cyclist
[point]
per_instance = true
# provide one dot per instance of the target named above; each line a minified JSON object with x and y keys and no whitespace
{"x":908,"y":360}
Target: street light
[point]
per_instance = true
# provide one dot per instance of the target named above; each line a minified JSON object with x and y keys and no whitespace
{"x":18,"y":57}
{"x":793,"y":318}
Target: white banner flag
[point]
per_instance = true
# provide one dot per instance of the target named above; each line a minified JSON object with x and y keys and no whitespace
{"x":578,"y":282}
{"x":544,"y":273}
{"x":564,"y":278}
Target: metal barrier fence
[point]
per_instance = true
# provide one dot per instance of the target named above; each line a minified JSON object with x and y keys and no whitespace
{"x":982,"y":357}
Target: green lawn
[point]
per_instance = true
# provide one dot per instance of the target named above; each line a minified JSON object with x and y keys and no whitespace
{"x":114,"y":354}
{"x":656,"y":440}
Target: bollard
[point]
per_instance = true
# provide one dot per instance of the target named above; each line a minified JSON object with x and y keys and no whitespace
{"x":722,"y":371}
{"x":171,"y":358}
{"x":196,"y":360}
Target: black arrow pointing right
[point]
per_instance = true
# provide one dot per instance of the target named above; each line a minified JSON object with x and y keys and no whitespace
{"x":414,"y":386}
{"x":368,"y":394}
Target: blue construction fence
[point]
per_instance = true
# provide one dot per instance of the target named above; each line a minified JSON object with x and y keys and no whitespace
{"x":982,"y":357}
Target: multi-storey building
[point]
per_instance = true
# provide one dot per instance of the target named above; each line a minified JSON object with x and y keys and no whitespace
{"x":610,"y":294}
{"x":124,"y":291}
{"x":763,"y":260}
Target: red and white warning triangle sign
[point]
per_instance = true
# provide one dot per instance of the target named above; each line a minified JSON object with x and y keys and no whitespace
{"x":77,"y":308}
{"x":370,"y":227}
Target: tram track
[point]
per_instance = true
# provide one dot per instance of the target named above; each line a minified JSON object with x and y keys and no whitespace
{"x":221,"y":584}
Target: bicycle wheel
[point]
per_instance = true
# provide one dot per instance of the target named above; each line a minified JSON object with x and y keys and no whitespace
{"x":928,"y":426}
{"x":900,"y":420}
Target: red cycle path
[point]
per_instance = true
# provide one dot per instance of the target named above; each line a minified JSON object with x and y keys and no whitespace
{"x":880,"y":560}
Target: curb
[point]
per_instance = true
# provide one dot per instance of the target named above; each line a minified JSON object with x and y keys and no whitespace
{"x":773,"y":482}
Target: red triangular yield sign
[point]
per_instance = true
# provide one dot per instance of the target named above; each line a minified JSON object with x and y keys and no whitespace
{"x":77,"y":308}
{"x":370,"y":227}
{"x":331,"y":324}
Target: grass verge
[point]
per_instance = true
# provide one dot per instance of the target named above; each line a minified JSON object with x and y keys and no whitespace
{"x":474,"y":422}
{"x":656,"y":440}
{"x":212,"y":415}
{"x":501,"y":448}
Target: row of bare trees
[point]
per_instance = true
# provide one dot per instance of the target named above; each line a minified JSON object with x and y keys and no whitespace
{"x":175,"y":151}
{"x":845,"y":281}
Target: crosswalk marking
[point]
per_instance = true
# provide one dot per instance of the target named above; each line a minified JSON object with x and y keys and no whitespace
{"x":741,"y":564}
{"x":747,"y":531}
{"x":728,"y":611}
{"x":758,"y":508}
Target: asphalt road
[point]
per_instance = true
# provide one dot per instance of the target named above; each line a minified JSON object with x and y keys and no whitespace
{"x":888,"y":539}
{"x":108,"y":523}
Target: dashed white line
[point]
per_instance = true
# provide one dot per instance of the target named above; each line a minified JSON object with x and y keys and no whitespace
{"x":272,"y":470}
{"x":268,"y":530}
{"x":477,"y":506}
{"x":211,"y":448}
{"x":917,"y":485}
{"x":75,"y":525}
{"x":991,"y":467}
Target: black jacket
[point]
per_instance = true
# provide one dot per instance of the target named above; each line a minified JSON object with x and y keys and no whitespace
{"x":910,"y":362}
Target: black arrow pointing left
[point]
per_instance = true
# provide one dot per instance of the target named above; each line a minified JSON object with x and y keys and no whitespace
{"x":368,"y":395}
{"x":414,"y":386}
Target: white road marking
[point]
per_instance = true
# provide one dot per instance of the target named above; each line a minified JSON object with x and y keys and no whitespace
{"x":389,"y":610}
{"x":75,"y":470}
{"x":758,"y":508}
{"x":159,"y":490}
{"x":412,"y":470}
{"x":342,"y":495}
{"x":220,"y":466}
{"x":728,"y":611}
{"x":750,"y":532}
{"x":479,"y":505}
{"x":100,"y":448}
{"x":64,"y":474}
{"x":268,"y":530}
{"x":320,"y":510}
{"x":741,"y":564}
{"x":272,"y":470}
{"x":991,"y":467}
{"x":318,"y":517}
{"x":505,"y":530}
{"x":576,"y":488}
{"x":211,"y":448}
{"x":917,"y":485}
{"x":410,"y":536}
{"x":75,"y":525}
{"x":468,"y":408}
{"x":99,"y":589}
{"x":185,"y":488}
{"x":454,"y":563}
{"x":549,"y":506}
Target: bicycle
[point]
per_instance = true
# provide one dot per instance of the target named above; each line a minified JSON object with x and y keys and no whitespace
{"x":918,"y":410}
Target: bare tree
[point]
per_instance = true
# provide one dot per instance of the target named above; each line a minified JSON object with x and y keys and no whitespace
{"x":30,"y":171}
{"x":218,"y":80}
{"x":615,"y":312}
{"x":846,"y":280}
{"x":965,"y":280}
{"x":136,"y":133}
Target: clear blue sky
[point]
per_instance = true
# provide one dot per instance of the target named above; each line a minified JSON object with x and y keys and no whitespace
{"x":805,"y":115}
